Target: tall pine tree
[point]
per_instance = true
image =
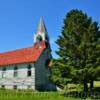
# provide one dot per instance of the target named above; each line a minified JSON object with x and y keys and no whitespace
{"x":79,"y":48}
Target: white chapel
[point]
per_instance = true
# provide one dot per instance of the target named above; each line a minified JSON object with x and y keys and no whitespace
{"x":28,"y":68}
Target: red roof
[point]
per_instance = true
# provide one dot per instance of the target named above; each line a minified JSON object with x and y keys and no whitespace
{"x":24,"y":55}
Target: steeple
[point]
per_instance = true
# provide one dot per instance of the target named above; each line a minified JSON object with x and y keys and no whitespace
{"x":41,"y":26}
{"x":41,"y":33}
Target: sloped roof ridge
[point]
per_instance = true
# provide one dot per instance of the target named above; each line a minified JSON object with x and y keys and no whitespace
{"x":18,"y":49}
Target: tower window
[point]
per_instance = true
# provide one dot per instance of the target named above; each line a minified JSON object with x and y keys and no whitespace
{"x":39,"y":38}
{"x":15,"y":71}
{"x":29,"y":71}
{"x":3,"y":72}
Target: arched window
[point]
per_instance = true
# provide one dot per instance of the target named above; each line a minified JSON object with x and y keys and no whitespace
{"x":15,"y":71}
{"x":3,"y":72}
{"x":29,"y":71}
{"x":39,"y":38}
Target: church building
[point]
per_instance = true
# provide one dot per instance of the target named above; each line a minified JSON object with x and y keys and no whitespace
{"x":28,"y":68}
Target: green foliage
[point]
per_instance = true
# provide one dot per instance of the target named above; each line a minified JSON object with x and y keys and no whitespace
{"x":79,"y":48}
{"x":61,"y":74}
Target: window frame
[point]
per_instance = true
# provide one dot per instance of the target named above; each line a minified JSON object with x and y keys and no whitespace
{"x":15,"y":87}
{"x":3,"y":72}
{"x":29,"y":71}
{"x":15,"y":71}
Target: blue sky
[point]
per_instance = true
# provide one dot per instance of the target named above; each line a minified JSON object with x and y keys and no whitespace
{"x":19,"y":19}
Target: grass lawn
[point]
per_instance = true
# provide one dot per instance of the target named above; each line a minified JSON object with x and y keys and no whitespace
{"x":29,"y":95}
{"x":96,"y":83}
{"x":19,"y":95}
{"x":78,"y":87}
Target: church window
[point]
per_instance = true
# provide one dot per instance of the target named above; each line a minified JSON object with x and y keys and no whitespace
{"x":15,"y":71}
{"x":3,"y":86}
{"x":3,"y":72}
{"x":15,"y":87}
{"x":29,"y":71}
{"x":29,"y":87}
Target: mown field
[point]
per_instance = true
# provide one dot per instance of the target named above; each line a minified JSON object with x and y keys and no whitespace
{"x":35,"y":95}
{"x":19,"y":95}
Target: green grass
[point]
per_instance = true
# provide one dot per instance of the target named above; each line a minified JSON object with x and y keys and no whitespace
{"x":79,"y":87}
{"x":30,"y":95}
{"x":96,"y":83}
{"x":23,"y":95}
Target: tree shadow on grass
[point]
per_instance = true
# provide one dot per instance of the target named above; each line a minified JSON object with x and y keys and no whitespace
{"x":83,"y":95}
{"x":97,"y":89}
{"x":75,"y":94}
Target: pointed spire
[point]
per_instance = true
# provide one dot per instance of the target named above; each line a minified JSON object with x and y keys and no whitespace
{"x":41,"y":26}
{"x":41,"y":32}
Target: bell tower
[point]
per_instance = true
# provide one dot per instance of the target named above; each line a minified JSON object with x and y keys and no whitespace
{"x":43,"y":69}
{"x":41,"y":34}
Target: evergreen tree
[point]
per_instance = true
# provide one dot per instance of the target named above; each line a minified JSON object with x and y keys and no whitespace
{"x":61,"y":73}
{"x":79,"y":48}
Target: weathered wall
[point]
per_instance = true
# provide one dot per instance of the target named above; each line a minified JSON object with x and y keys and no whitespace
{"x":38,"y":80}
{"x":21,"y":81}
{"x":42,"y":71}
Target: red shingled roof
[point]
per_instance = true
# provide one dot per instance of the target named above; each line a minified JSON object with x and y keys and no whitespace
{"x":24,"y":55}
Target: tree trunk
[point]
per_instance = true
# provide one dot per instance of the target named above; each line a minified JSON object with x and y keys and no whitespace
{"x":91,"y":87}
{"x":85,"y":90}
